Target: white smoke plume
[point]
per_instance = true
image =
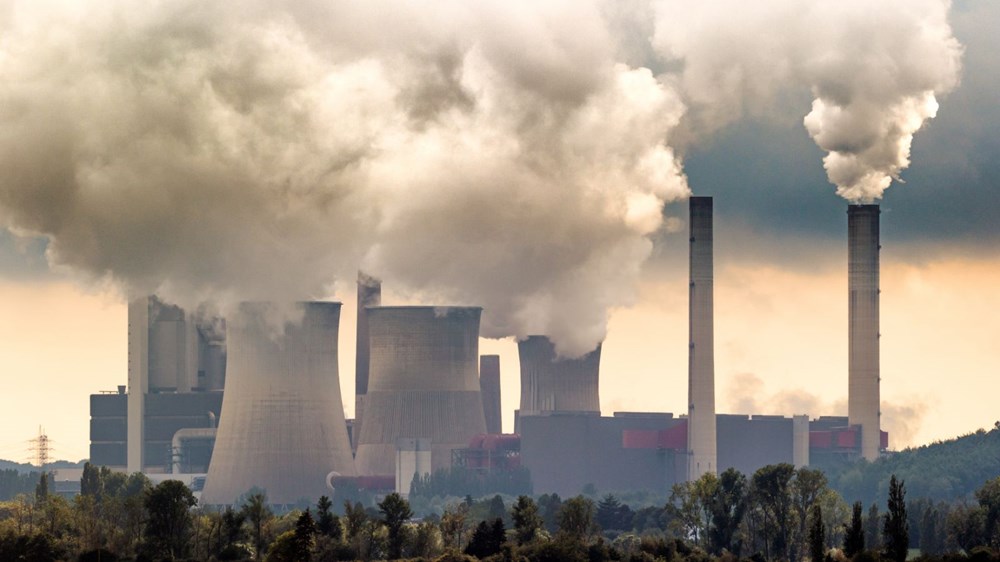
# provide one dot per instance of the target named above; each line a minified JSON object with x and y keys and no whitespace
{"x":875,"y":71}
{"x":510,"y":155}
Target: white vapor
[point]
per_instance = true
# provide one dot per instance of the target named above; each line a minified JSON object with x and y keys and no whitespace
{"x":511,"y":155}
{"x":874,"y":71}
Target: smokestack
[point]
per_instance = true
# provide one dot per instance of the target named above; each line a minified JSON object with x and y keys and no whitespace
{"x":701,"y":348}
{"x":553,"y":384}
{"x":863,"y":359}
{"x":423,"y":384}
{"x":369,"y":294}
{"x":282,"y":422}
{"x":489,"y":387}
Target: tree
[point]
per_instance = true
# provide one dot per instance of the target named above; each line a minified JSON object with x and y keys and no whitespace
{"x":576,"y":519}
{"x":230,"y":533}
{"x":453,"y":524}
{"x":967,"y":527}
{"x":356,"y":518}
{"x":873,"y":530}
{"x":817,"y":540}
{"x":854,"y":538}
{"x":168,"y":506}
{"x":497,"y":508}
{"x":771,"y":492}
{"x":807,"y":487}
{"x":613,"y":514}
{"x":256,"y":511}
{"x":896,"y":532}
{"x":989,"y":500}
{"x":727,"y":505}
{"x":395,"y":511}
{"x":487,"y":539}
{"x":90,"y":482}
{"x":690,"y":509}
{"x":549,"y":506}
{"x":327,"y":524}
{"x":42,"y":489}
{"x":305,"y":537}
{"x":527,"y":521}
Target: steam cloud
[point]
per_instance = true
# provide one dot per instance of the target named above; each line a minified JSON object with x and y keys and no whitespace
{"x":515,"y":156}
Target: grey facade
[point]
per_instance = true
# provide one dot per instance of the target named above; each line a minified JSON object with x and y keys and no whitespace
{"x":489,"y":387}
{"x":863,"y":313}
{"x":747,"y":443}
{"x":702,"y":455}
{"x":423,"y":384}
{"x":282,"y":427}
{"x":553,"y":384}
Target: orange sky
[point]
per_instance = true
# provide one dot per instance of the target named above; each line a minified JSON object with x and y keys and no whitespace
{"x":781,"y":347}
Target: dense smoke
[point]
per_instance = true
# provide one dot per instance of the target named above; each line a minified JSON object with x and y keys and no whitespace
{"x":515,"y":156}
{"x":873,"y":69}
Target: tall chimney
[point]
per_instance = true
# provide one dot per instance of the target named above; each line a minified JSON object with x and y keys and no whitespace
{"x":369,"y":294}
{"x":701,"y":351}
{"x":489,"y":387}
{"x":863,"y":360}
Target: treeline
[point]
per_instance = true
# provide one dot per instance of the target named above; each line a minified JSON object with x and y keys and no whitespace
{"x":14,"y":482}
{"x":777,"y":513}
{"x":463,"y":482}
{"x":946,"y":471}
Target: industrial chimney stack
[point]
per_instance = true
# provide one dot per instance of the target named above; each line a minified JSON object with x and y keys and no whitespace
{"x":701,"y":350}
{"x":863,"y":361}
{"x":369,"y":294}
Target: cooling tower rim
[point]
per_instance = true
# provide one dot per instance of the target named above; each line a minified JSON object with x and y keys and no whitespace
{"x":447,"y":308}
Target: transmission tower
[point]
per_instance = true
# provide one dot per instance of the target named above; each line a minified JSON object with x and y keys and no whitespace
{"x":41,"y":447}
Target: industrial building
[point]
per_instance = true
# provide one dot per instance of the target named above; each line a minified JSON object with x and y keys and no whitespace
{"x":176,"y":373}
{"x":282,"y":428}
{"x":423,"y":384}
{"x":426,"y":400}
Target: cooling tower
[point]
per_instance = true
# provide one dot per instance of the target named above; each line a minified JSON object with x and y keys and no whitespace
{"x":282,"y":423}
{"x":369,"y":294}
{"x":554,"y":384}
{"x":423,"y":384}
{"x":489,"y":387}
{"x":863,"y":355}
{"x":701,"y":347}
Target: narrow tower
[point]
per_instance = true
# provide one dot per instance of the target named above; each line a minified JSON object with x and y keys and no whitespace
{"x":282,"y":424}
{"x":489,"y":387}
{"x":701,"y":348}
{"x":369,"y":294}
{"x":863,"y":313}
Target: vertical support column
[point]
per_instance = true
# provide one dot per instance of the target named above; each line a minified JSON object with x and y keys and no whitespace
{"x":489,"y":387}
{"x":138,"y":380}
{"x":369,"y":294}
{"x":701,"y":351}
{"x":863,"y":318}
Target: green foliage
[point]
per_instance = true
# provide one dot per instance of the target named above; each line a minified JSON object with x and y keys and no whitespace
{"x":895,"y":533}
{"x":487,"y":539}
{"x":168,"y":507}
{"x":944,"y":471}
{"x":460,"y":482}
{"x":576,"y":519}
{"x":817,"y":540}
{"x":527,"y":521}
{"x":727,"y":506}
{"x":613,"y":514}
{"x":395,"y":511}
{"x":771,"y":493}
{"x":854,"y":538}
{"x":14,"y":483}
{"x":256,"y":511}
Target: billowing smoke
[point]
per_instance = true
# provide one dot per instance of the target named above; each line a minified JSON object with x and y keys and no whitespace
{"x":515,"y":156}
{"x":873,"y":69}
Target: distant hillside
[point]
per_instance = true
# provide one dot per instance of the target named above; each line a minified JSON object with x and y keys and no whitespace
{"x":26,"y":468}
{"x":947,"y":470}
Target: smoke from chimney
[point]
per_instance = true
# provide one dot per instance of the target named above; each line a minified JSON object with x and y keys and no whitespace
{"x":513,"y":156}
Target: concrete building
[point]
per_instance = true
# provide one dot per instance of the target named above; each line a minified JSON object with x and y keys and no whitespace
{"x":282,"y":427}
{"x":701,"y":343}
{"x":423,"y":384}
{"x":369,"y":294}
{"x":176,"y":372}
{"x":554,"y":384}
{"x":489,"y":387}
{"x":863,"y":409}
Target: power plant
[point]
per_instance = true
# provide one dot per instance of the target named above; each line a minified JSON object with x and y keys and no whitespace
{"x":254,"y":401}
{"x":423,"y":384}
{"x":282,"y":428}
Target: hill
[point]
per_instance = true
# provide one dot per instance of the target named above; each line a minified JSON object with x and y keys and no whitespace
{"x":945,"y":470}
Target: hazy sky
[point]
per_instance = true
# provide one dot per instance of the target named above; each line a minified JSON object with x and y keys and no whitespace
{"x":517,"y":158}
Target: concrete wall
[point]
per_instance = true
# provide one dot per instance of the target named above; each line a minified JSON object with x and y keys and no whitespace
{"x":747,"y":444}
{"x":553,"y":384}
{"x":489,"y":387}
{"x":863,"y":353}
